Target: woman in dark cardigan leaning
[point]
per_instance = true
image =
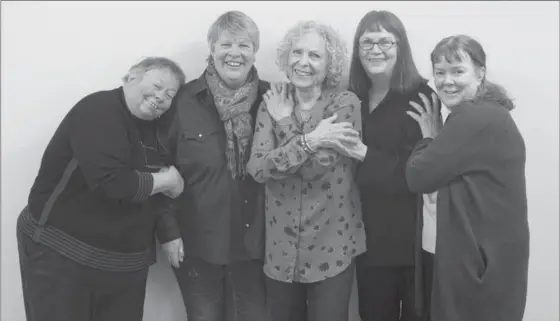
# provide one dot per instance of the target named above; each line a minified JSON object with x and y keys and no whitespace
{"x":86,"y":236}
{"x":476,"y":162}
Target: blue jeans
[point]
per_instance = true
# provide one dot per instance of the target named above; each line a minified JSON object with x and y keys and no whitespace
{"x":233,"y":292}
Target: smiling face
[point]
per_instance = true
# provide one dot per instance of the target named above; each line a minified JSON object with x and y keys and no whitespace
{"x":234,"y":56}
{"x":150,"y":93}
{"x":307,"y":61}
{"x":457,"y":81}
{"x":378,"y":52}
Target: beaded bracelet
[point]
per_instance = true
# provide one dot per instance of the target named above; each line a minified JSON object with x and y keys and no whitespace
{"x":302,"y":143}
{"x":306,"y":147}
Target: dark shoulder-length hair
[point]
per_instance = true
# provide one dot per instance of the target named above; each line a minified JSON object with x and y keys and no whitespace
{"x":405,"y":75}
{"x":455,"y":49}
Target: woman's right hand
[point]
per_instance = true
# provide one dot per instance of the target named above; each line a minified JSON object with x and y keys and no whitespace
{"x":428,"y":116}
{"x":329,"y":134}
{"x":279,"y":101}
{"x":175,"y":182}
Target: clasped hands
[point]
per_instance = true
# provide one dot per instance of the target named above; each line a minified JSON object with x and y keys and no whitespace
{"x":175,"y":182}
{"x":341,"y":137}
{"x":173,"y":249}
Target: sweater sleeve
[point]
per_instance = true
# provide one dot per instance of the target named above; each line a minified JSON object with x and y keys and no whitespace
{"x":99,"y":141}
{"x":385,"y":170}
{"x":167,"y":227}
{"x":435,"y":162}
{"x":347,"y":107}
{"x":269,"y":161}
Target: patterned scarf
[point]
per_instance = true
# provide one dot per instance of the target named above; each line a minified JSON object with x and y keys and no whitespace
{"x":233,"y":107}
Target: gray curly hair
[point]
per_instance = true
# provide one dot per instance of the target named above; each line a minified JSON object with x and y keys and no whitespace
{"x":337,"y":63}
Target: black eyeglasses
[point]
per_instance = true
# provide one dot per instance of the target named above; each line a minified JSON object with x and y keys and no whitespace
{"x":383,"y":44}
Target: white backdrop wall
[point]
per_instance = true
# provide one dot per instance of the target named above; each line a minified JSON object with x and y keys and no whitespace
{"x":54,"y":53}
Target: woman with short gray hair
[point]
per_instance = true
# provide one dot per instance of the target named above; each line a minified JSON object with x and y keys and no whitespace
{"x":221,"y":277}
{"x":86,"y":236}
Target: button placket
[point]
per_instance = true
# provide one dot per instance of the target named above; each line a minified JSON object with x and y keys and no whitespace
{"x":245,"y":202}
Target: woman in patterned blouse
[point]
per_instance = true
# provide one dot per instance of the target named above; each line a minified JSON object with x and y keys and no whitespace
{"x":314,"y":224}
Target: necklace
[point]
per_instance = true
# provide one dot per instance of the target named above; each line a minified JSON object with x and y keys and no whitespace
{"x":304,"y":115}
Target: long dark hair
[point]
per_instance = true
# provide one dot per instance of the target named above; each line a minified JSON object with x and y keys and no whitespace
{"x":405,"y":75}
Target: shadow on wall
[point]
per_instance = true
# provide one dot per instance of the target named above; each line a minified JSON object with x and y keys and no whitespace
{"x":163,"y":298}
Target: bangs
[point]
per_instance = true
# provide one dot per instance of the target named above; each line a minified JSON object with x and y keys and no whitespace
{"x":382,"y":26}
{"x":305,"y":28}
{"x":449,"y":52}
{"x":234,"y":25}
{"x":375,"y":27}
{"x":236,"y":30}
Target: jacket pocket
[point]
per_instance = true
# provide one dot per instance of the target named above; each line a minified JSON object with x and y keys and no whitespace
{"x":199,"y":147}
{"x":483,"y":263}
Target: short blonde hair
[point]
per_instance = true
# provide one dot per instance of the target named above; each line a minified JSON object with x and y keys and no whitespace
{"x":337,"y":63}
{"x":235,"y":22}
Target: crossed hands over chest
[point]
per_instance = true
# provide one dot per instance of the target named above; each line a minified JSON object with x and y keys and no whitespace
{"x":329,"y":133}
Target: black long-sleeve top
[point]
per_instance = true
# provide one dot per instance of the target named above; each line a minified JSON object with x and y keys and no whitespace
{"x":104,"y":215}
{"x":388,"y":206}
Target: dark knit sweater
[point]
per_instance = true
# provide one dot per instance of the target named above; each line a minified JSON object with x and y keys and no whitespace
{"x":103,"y":216}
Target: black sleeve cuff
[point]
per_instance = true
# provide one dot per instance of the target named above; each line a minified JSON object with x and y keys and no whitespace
{"x":167,"y":227}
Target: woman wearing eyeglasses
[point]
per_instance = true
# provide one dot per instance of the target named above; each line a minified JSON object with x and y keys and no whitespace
{"x":383,"y":75}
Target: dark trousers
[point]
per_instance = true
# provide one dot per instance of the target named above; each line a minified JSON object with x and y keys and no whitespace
{"x":56,"y":288}
{"x":326,"y":300}
{"x":386,"y":293}
{"x":213,"y":292}
{"x":428,"y":274}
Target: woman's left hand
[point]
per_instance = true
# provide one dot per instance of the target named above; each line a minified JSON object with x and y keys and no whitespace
{"x":175,"y":251}
{"x":355,"y":149}
{"x":428,"y":117}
